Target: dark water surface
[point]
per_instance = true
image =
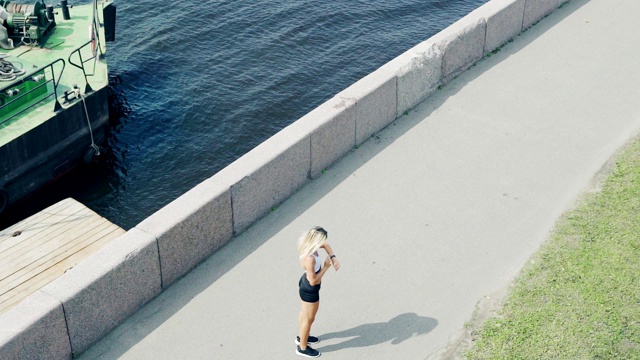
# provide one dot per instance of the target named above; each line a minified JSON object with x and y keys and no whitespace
{"x":197,"y":84}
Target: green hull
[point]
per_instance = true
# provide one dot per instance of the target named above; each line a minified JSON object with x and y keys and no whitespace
{"x":53,"y":114}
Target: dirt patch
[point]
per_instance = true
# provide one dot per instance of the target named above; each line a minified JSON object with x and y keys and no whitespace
{"x":486,"y":308}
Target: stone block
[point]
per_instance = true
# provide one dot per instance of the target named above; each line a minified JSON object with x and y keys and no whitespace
{"x":34,"y":329}
{"x":562,"y":2}
{"x":267,"y":175}
{"x":332,"y":130}
{"x":375,"y":98}
{"x":461,"y":45}
{"x":418,"y":72}
{"x":191,"y":228}
{"x":535,"y":10}
{"x":504,"y":21}
{"x":108,"y":287}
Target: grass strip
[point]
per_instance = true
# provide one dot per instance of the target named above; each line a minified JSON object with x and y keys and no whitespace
{"x":579,"y":296}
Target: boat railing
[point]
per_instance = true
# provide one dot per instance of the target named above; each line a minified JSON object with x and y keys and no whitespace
{"x":96,"y":49}
{"x":30,"y":91}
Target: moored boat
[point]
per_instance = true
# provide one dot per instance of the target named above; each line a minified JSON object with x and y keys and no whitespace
{"x":53,"y":91}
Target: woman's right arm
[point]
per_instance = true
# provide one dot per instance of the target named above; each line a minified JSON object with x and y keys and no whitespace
{"x":309,"y":264}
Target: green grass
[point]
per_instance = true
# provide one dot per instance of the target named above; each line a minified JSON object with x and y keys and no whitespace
{"x":579,"y":296}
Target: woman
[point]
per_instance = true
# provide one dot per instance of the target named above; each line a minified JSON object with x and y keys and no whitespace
{"x":309,"y":284}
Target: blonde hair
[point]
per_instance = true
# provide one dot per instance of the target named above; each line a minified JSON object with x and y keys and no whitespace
{"x":311,"y":241}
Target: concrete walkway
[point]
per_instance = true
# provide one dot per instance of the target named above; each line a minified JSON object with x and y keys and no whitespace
{"x":436,"y":212}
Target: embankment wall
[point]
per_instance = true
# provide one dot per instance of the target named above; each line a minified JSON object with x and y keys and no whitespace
{"x":66,"y":317}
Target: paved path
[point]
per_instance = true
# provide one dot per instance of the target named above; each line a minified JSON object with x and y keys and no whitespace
{"x":439,"y":210}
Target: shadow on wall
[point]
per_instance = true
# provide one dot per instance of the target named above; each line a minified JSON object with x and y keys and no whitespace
{"x":396,"y":330}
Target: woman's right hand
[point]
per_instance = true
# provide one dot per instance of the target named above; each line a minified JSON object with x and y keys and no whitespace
{"x":327,"y":262}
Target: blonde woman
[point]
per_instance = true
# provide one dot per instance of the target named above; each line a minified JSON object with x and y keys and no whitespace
{"x":314,"y":269}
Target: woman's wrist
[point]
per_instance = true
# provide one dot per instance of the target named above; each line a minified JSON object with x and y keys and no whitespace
{"x":332,"y":256}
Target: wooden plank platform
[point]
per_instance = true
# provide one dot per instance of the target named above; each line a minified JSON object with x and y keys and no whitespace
{"x":44,"y":246}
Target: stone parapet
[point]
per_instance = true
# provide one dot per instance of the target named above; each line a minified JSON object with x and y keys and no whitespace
{"x":504,"y":20}
{"x":375,"y":101}
{"x":190,"y":228}
{"x":35,"y":329}
{"x":101,"y":292}
{"x":266,"y":176}
{"x":332,"y":130}
{"x":534,"y":10}
{"x":418,"y":74}
{"x":461,"y":45}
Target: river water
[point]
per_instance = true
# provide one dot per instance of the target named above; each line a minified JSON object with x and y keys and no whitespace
{"x":197,"y":84}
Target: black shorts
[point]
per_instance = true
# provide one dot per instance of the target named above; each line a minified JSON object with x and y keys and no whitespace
{"x":308,"y":293}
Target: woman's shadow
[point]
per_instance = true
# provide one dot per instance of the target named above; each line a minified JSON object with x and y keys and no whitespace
{"x":396,"y":330}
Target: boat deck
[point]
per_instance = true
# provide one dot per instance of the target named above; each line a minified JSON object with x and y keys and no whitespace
{"x":44,"y":246}
{"x":68,"y":35}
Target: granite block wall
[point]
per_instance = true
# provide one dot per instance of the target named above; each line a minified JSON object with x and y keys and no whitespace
{"x":332,"y":130}
{"x":535,"y":10}
{"x":101,"y":292}
{"x":419,"y":73}
{"x":375,"y":101}
{"x":35,"y":329}
{"x":504,"y":20}
{"x":190,"y":228}
{"x":461,"y":44}
{"x":266,"y":176}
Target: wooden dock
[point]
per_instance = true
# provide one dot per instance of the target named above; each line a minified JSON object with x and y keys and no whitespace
{"x":41,"y":248}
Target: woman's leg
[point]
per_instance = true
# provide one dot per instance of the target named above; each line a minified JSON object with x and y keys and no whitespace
{"x":307,"y":315}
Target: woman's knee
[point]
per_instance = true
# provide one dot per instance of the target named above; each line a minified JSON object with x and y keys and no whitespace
{"x":308,"y":316}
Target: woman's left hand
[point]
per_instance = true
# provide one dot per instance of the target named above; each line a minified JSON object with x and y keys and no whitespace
{"x":336,"y":263}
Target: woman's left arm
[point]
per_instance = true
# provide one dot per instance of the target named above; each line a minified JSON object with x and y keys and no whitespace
{"x":334,"y":259}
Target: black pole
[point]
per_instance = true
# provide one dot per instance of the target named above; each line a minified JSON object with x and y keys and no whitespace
{"x":50,"y":15}
{"x":65,"y":10}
